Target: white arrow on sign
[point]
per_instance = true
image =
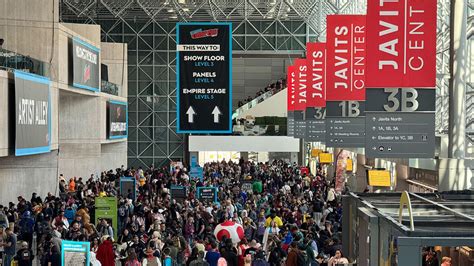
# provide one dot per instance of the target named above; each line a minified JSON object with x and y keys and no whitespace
{"x":216,"y":112}
{"x":190,"y":114}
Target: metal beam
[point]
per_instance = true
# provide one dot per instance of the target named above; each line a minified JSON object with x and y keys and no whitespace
{"x":457,"y":81}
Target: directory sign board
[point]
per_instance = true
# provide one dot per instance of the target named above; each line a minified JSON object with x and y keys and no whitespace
{"x":315,"y":114}
{"x":197,"y":172}
{"x":325,"y":158}
{"x":204,"y":77}
{"x":106,"y":208}
{"x":400,"y":123}
{"x":345,"y":124}
{"x":32,"y":114}
{"x":379,"y":178}
{"x":401,"y":38}
{"x":117,"y":120}
{"x":291,"y":90}
{"x":85,"y":65}
{"x":127,"y":185}
{"x":345,"y":81}
{"x":75,"y":253}
{"x":179,"y":193}
{"x":301,"y":84}
{"x":207,"y":193}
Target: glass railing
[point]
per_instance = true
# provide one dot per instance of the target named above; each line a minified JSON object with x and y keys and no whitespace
{"x":253,"y":103}
{"x":10,"y":61}
{"x":109,"y":87}
{"x":260,"y":126}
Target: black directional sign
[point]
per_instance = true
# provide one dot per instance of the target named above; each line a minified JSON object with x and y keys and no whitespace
{"x":290,"y":124}
{"x":345,"y":124}
{"x":400,"y":123}
{"x":203,"y":77}
{"x":315,"y":124}
{"x":300,"y":125}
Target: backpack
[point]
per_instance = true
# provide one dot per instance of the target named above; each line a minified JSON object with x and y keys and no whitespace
{"x":302,"y":259}
{"x":260,"y":262}
{"x":122,"y":211}
{"x":25,"y":256}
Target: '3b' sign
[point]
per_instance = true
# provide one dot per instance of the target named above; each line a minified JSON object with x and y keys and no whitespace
{"x":400,"y":100}
{"x":400,"y":123}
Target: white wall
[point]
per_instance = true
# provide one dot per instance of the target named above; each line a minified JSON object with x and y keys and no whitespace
{"x":273,"y":106}
{"x":244,"y":143}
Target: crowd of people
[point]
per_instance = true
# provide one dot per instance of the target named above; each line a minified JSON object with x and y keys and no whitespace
{"x":288,"y":218}
{"x":273,"y":88}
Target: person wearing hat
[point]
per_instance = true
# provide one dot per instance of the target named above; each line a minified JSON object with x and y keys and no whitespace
{"x":150,"y":259}
{"x":24,"y":256}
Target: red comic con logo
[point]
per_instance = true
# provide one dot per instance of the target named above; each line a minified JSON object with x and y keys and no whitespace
{"x":199,"y":34}
{"x":87,"y":73}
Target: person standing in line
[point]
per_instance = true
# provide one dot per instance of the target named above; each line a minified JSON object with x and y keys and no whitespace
{"x":24,"y":256}
{"x":9,"y":247}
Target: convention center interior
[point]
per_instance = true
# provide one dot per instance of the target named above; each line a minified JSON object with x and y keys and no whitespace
{"x":236,"y":132}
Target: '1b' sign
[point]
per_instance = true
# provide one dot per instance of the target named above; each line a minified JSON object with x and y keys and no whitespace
{"x":402,"y":43}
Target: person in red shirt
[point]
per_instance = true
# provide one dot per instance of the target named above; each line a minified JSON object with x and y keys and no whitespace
{"x":105,"y":252}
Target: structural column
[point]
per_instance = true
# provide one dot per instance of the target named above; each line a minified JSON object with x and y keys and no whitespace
{"x":457,"y":82}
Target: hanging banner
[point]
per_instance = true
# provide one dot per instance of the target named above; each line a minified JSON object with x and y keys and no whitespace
{"x":291,"y":90}
{"x":301,"y":83}
{"x":32,"y":114}
{"x":204,"y":77}
{"x":346,"y":60}
{"x":85,"y":65}
{"x":315,"y":114}
{"x":117,"y":120}
{"x":402,"y":43}
{"x":345,"y":81}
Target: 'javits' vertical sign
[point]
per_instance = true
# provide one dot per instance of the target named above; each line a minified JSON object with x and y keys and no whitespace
{"x":85,"y":65}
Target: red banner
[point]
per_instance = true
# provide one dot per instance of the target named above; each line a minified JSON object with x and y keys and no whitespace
{"x":402,"y":43}
{"x":301,"y":84}
{"x":316,"y":57}
{"x":290,"y":87}
{"x":346,"y":62}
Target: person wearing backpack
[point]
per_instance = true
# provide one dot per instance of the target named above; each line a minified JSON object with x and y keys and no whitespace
{"x":199,"y":261}
{"x":293,"y":253}
{"x":24,"y":256}
{"x":123,"y":213}
{"x":27,"y":225}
